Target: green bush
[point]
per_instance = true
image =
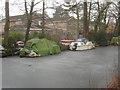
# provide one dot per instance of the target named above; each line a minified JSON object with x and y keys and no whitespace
{"x":49,"y":37}
{"x":101,"y":38}
{"x":14,"y":37}
{"x":9,"y":51}
{"x":35,"y":34}
{"x":13,"y":28}
{"x":91,"y":36}
{"x":39,"y":35}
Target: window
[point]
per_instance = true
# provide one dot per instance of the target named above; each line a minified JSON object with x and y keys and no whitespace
{"x":69,"y":24}
{"x":18,"y":22}
{"x":75,"y":33}
{"x":75,"y":24}
{"x":19,"y":19}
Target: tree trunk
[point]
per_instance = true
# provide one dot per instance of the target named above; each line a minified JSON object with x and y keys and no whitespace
{"x":105,"y":16}
{"x":85,"y":18}
{"x":78,"y":24}
{"x":43,"y":19}
{"x":28,"y":30}
{"x":7,"y":23}
{"x":100,"y":15}
{"x":98,"y":18}
{"x":89,"y":15}
{"x":29,"y":19}
{"x":119,"y":19}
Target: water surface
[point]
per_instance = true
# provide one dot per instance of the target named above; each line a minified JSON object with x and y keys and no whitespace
{"x":69,"y":69}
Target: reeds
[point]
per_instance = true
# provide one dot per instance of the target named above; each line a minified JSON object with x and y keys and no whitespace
{"x":115,"y":80}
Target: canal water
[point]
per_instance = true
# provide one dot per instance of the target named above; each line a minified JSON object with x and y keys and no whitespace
{"x":69,"y":69}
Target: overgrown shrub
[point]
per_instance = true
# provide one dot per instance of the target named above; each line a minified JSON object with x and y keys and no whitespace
{"x":11,"y":47}
{"x":109,"y":36}
{"x":14,"y":37}
{"x":39,"y":35}
{"x":91,"y":36}
{"x":13,"y":28}
{"x":49,"y":37}
{"x":101,"y":38}
{"x":35,"y":34}
{"x":9,"y":51}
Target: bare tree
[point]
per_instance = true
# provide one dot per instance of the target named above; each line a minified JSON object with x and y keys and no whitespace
{"x":7,"y":23}
{"x":100,"y":14}
{"x":74,"y":7}
{"x":78,"y":23}
{"x":29,"y":18}
{"x":119,"y":18}
{"x":89,"y":14}
{"x":43,"y":19}
{"x":85,"y":18}
{"x":114,"y":13}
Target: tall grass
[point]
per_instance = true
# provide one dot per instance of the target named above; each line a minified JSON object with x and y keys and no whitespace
{"x":115,"y":79}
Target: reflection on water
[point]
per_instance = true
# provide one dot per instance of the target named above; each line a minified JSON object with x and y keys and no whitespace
{"x":69,"y":69}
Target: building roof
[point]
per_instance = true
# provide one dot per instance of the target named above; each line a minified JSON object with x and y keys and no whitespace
{"x":60,"y":19}
{"x":23,"y":17}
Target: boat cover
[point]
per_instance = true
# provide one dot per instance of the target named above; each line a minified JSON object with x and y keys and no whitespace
{"x":40,"y":47}
{"x":82,"y":40}
{"x":115,"y":40}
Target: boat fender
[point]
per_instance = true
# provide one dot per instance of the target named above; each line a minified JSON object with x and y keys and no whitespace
{"x":75,"y":46}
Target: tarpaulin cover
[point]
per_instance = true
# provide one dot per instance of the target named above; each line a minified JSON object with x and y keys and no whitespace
{"x":115,"y":40}
{"x":40,"y":47}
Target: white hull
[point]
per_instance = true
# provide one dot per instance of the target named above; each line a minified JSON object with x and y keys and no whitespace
{"x":81,"y":46}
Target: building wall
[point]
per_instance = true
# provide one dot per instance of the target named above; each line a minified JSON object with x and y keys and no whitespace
{"x":17,"y":23}
{"x":50,"y":26}
{"x":72,"y":29}
{"x":68,"y":28}
{"x":61,"y":25}
{"x":1,"y":29}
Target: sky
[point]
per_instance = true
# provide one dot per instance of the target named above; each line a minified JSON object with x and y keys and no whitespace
{"x":17,"y":6}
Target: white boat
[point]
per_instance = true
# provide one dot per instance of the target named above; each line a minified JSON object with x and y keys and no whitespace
{"x":2,"y":51}
{"x":66,"y":42}
{"x":81,"y":44}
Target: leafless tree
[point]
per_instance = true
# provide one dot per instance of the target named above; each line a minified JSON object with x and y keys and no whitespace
{"x":78,"y":19}
{"x":89,"y":13}
{"x":7,"y":23}
{"x":29,"y":17}
{"x":74,"y":7}
{"x":100,"y":13}
{"x":85,"y":23}
{"x":43,"y":19}
{"x":119,"y":18}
